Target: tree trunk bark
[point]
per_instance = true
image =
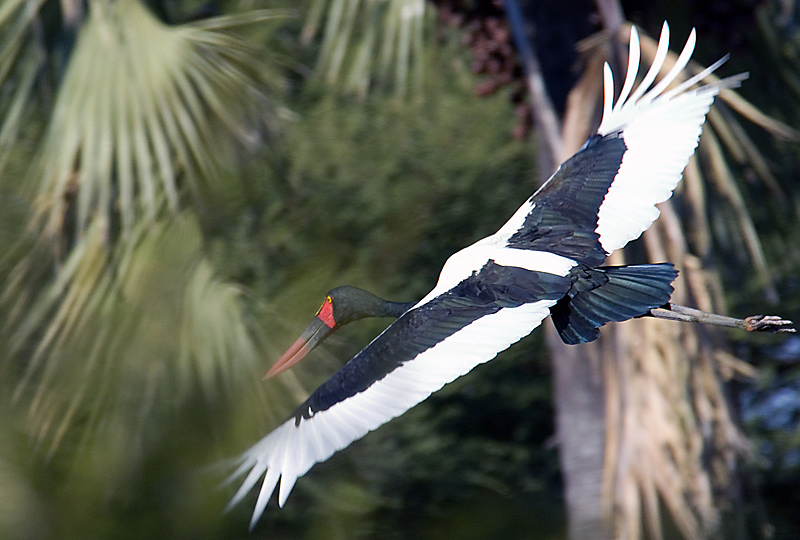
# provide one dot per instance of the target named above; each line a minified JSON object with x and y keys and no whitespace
{"x":579,"y":399}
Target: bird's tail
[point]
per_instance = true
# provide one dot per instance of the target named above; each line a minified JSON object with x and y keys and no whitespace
{"x":611,"y":294}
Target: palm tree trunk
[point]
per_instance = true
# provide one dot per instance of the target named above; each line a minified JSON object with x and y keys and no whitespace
{"x":579,"y":395}
{"x":630,"y":405}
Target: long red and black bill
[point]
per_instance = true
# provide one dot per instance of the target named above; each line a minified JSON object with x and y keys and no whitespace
{"x":320,"y":328}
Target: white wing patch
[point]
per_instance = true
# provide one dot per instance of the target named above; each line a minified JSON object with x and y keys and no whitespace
{"x":460,"y":265}
{"x":515,"y":223}
{"x":290,"y":451}
{"x":660,"y":129}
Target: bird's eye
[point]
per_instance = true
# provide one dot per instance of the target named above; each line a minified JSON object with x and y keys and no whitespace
{"x":329,"y":300}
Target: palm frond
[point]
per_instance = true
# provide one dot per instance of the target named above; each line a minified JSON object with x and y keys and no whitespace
{"x":248,"y":18}
{"x":129,"y":314}
{"x":148,"y":316}
{"x":20,"y":65}
{"x":367,"y":42}
{"x":672,"y":444}
{"x":139,"y":113}
{"x":214,"y":337}
{"x":668,"y":410}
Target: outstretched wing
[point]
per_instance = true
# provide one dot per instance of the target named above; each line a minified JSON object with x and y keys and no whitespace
{"x":426,"y":348}
{"x":606,"y":194}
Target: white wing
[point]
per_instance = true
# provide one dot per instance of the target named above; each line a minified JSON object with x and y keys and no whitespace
{"x":293,"y":448}
{"x":661,"y":129}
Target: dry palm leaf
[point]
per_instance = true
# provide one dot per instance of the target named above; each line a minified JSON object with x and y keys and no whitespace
{"x":671,"y":441}
{"x":671,"y":438}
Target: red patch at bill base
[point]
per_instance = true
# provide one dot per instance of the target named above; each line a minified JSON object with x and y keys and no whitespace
{"x":325,"y":314}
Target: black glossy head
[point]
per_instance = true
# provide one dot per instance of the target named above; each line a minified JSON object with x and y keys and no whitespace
{"x":342,"y":305}
{"x":351,"y":303}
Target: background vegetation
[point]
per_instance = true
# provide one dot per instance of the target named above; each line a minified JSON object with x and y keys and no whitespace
{"x":180,"y":185}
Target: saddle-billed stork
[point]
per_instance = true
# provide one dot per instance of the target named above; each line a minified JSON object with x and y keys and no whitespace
{"x":546,"y":260}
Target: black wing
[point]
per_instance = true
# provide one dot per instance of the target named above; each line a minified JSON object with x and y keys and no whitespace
{"x":564,"y":214}
{"x":484,"y":293}
{"x":419,"y":353}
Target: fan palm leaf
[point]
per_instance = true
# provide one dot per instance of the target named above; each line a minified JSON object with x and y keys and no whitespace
{"x":134,"y":313}
{"x":371,"y":41}
{"x":148,"y":316}
{"x":138,"y":113}
{"x":20,"y":65}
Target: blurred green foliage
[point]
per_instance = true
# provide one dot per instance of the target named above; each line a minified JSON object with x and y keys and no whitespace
{"x":378,"y":194}
{"x":374,"y":192}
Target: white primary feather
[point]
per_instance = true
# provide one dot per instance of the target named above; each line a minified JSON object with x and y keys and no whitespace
{"x":660,"y":129}
{"x":291,"y":450}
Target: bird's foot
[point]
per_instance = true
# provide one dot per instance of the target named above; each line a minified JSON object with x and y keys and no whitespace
{"x":768,"y":323}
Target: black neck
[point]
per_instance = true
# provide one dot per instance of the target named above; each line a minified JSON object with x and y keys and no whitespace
{"x":351,"y":303}
{"x":395,"y":309}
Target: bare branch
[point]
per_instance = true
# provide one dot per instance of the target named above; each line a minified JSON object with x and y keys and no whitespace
{"x":755,"y":323}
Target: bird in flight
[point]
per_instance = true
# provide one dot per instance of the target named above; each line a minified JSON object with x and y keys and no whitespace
{"x":546,"y":260}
